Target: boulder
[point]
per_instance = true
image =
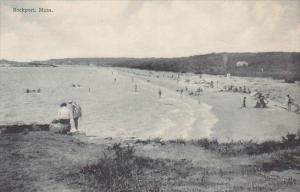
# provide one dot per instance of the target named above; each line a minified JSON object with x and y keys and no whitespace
{"x":59,"y":128}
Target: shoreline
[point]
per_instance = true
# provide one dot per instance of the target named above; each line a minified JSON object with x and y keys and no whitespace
{"x":200,"y":112}
{"x":272,"y":122}
{"x":229,"y":121}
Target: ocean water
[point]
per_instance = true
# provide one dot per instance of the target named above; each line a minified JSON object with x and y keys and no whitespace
{"x":110,"y":109}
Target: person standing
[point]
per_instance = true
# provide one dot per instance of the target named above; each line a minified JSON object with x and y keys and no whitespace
{"x":244,"y":102}
{"x":64,"y":116}
{"x":135,"y":88}
{"x":289,"y":102}
{"x":181,"y":92}
{"x":76,"y":112}
{"x":159,"y":93}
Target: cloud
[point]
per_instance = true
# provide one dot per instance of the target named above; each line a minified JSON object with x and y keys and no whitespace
{"x":147,"y":28}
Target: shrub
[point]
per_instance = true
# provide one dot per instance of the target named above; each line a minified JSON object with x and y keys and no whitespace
{"x":284,"y":161}
{"x":118,"y":170}
{"x":290,"y":141}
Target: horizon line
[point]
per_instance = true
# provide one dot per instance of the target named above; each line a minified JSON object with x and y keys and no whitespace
{"x":154,"y":57}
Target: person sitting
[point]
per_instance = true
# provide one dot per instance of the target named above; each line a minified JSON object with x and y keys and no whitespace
{"x":240,"y":89}
{"x":263,"y":102}
{"x":249,"y":91}
{"x":258,"y":104}
{"x":64,"y":116}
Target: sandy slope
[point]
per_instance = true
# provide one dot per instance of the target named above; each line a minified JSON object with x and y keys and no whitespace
{"x":41,"y":161}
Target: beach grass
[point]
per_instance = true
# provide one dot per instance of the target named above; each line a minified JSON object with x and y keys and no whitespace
{"x":43,"y":161}
{"x":120,"y":169}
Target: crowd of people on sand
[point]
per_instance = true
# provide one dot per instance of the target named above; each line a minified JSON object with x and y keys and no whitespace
{"x":67,"y":112}
{"x":236,"y":89}
{"x":261,"y":99}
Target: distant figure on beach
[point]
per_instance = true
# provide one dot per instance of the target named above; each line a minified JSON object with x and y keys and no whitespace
{"x":249,"y":91}
{"x":263,"y":101}
{"x":33,"y":90}
{"x":89,"y":89}
{"x":240,"y":89}
{"x":135,"y":88}
{"x":244,"y":89}
{"x":159,"y":93}
{"x":115,"y":80}
{"x":181,"y":92}
{"x":76,"y":112}
{"x":198,"y":91}
{"x":289,"y":102}
{"x":244,"y":102}
{"x":64,"y":116}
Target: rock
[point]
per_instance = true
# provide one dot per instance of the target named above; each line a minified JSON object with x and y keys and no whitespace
{"x":59,"y":128}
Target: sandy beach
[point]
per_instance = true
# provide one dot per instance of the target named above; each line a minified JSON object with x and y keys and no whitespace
{"x":228,"y":120}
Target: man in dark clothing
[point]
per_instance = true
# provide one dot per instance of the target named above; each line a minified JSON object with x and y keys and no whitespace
{"x":76,"y":112}
{"x":244,"y":103}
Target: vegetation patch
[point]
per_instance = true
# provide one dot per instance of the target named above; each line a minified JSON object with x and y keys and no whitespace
{"x":234,"y":148}
{"x":120,"y":170}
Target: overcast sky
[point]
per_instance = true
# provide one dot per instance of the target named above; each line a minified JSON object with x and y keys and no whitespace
{"x":147,"y":28}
